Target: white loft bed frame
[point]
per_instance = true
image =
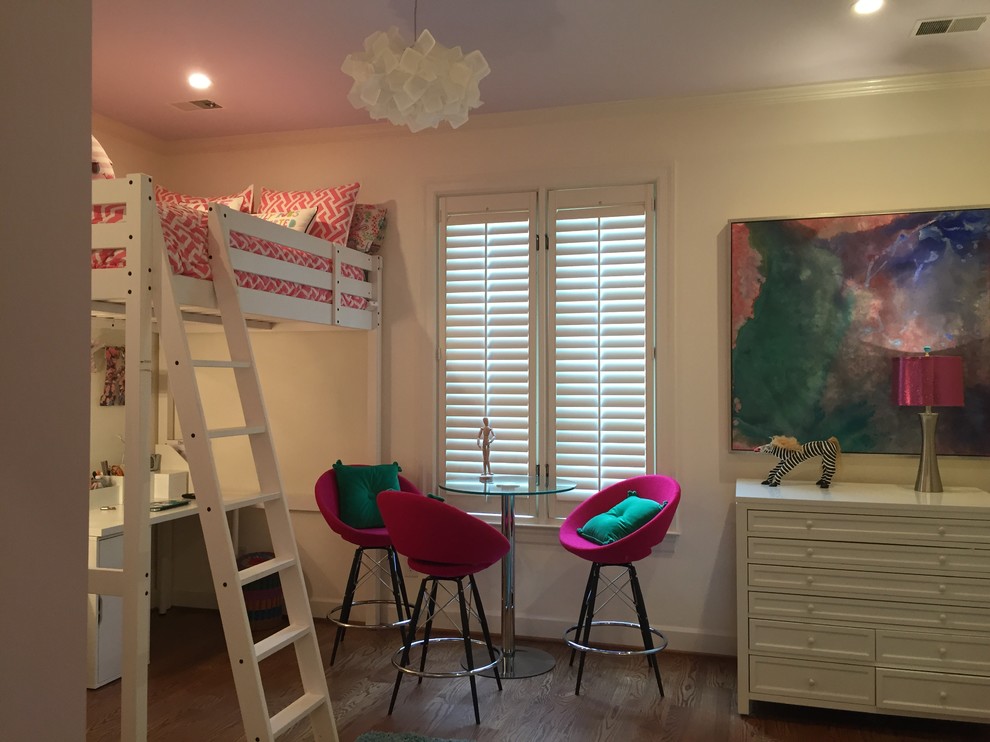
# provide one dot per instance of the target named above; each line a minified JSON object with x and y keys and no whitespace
{"x":129,"y":292}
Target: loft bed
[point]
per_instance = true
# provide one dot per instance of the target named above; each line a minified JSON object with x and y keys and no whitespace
{"x":283,"y":276}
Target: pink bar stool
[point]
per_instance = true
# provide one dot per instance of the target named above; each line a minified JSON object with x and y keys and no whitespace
{"x":448,"y":546}
{"x":621,"y":553}
{"x":382,"y":564}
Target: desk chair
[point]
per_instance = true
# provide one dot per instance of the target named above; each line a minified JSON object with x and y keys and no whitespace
{"x":448,"y":546}
{"x":384,"y":566}
{"x":629,"y":545}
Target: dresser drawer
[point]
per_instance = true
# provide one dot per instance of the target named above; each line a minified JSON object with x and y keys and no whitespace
{"x":933,"y":651}
{"x":870,"y":612}
{"x":825,"y":681}
{"x":840,"y":643}
{"x":899,"y":557}
{"x":937,"y":588}
{"x":867,"y":528}
{"x":933,"y":693}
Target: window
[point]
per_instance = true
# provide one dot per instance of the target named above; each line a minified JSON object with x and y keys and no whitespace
{"x":548,"y":332}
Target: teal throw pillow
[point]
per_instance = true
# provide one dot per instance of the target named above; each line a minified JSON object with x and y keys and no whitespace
{"x":358,"y":488}
{"x":630,"y":514}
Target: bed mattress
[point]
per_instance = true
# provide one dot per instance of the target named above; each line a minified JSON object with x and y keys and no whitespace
{"x":185,"y":232}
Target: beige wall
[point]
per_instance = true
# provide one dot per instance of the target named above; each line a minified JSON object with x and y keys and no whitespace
{"x":908,"y":144}
{"x":44,"y":298}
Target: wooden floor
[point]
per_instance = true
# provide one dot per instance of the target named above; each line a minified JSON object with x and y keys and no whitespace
{"x":192,"y":698}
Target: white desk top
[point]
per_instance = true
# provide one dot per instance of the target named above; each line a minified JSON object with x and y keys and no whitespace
{"x":859,"y":493}
{"x":109,"y":522}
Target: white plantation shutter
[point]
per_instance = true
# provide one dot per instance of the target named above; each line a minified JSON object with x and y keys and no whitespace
{"x":555,"y":346}
{"x":601,"y":332}
{"x":487,"y":350}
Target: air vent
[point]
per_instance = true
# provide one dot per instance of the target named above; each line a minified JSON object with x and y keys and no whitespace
{"x":935,"y":26}
{"x":194,"y":105}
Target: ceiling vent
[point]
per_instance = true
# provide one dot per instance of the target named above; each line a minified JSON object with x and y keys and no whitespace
{"x":194,"y":105}
{"x":935,"y":26}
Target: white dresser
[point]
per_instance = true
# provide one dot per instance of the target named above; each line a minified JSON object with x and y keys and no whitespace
{"x":868,"y":597}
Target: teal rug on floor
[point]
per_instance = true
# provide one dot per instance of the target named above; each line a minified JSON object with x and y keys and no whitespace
{"x":401,"y":737}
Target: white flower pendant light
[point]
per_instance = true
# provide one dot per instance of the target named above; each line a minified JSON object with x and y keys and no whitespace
{"x":416,"y":86}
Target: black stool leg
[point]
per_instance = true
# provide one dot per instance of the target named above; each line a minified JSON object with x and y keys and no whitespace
{"x":345,"y":610}
{"x":398,"y":589}
{"x":466,"y":630}
{"x":584,"y":609}
{"x":431,"y":608}
{"x":588,"y":618}
{"x":484,"y":628}
{"x":644,"y":623}
{"x":410,"y":636}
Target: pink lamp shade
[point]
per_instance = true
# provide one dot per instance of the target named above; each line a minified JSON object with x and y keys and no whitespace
{"x":928,"y":381}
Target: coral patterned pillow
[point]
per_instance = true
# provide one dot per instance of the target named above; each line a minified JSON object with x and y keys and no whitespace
{"x":367,"y":228}
{"x":297,"y":219}
{"x":102,"y":167}
{"x":240,"y":201}
{"x":334,"y":208}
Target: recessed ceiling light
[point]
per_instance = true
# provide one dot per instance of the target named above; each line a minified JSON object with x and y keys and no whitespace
{"x":199,"y":81}
{"x":864,"y":7}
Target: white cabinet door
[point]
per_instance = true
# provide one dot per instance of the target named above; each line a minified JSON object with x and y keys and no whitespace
{"x":105,"y":622}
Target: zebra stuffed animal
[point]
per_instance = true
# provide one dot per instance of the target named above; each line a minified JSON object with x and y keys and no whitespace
{"x":791,"y":453}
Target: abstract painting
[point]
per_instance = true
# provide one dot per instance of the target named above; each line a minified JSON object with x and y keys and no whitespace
{"x":820,"y":306}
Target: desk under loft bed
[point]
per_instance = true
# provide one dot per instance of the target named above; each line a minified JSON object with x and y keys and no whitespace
{"x":233,"y":268}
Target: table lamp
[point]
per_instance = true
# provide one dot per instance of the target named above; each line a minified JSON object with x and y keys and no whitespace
{"x":929,"y":381}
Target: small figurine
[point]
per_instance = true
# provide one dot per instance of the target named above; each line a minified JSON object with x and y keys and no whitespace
{"x":485,"y":437}
{"x":791,"y":453}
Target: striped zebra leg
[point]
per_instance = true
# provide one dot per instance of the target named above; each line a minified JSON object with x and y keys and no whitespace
{"x":773,"y":477}
{"x":789,"y":462}
{"x":828,"y":454}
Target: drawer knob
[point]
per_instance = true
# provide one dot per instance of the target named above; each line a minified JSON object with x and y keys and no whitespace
{"x":941,"y":651}
{"x":941,"y":558}
{"x":941,"y":588}
{"x":811,"y":682}
{"x":942,"y":695}
{"x":811,"y":552}
{"x":809,"y":524}
{"x":811,"y":640}
{"x":809,"y":579}
{"x":941,"y":530}
{"x":811,"y":607}
{"x":941,"y":617}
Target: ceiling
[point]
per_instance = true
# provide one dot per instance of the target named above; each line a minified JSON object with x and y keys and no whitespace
{"x":276,"y":65}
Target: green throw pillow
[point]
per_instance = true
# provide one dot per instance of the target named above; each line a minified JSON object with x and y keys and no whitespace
{"x":358,"y":488}
{"x":630,"y":514}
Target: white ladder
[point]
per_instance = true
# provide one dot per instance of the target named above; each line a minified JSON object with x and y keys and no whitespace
{"x":245,"y":654}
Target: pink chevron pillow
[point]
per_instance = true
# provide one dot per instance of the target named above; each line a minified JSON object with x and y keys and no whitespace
{"x":240,"y":201}
{"x":334,"y":208}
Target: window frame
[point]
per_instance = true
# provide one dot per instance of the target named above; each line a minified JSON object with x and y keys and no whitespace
{"x":548,"y":512}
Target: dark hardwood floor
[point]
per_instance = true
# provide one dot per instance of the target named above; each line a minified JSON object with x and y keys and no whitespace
{"x":192,"y":699}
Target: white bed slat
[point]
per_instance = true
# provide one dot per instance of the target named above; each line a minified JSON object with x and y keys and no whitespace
{"x":354,"y":257}
{"x":238,"y":221}
{"x":276,"y":306}
{"x":265,"y":266}
{"x":109,"y":283}
{"x":113,"y":191}
{"x":118,"y":234}
{"x":347,"y":285}
{"x":362,"y":319}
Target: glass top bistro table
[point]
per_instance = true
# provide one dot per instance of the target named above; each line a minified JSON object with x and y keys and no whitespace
{"x":516,"y":662}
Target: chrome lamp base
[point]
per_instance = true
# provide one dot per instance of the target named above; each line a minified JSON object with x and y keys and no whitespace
{"x":928,"y":479}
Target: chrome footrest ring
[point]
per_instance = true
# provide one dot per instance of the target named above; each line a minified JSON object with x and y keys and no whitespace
{"x":622,"y":652}
{"x":463,"y":673}
{"x":332,"y":616}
